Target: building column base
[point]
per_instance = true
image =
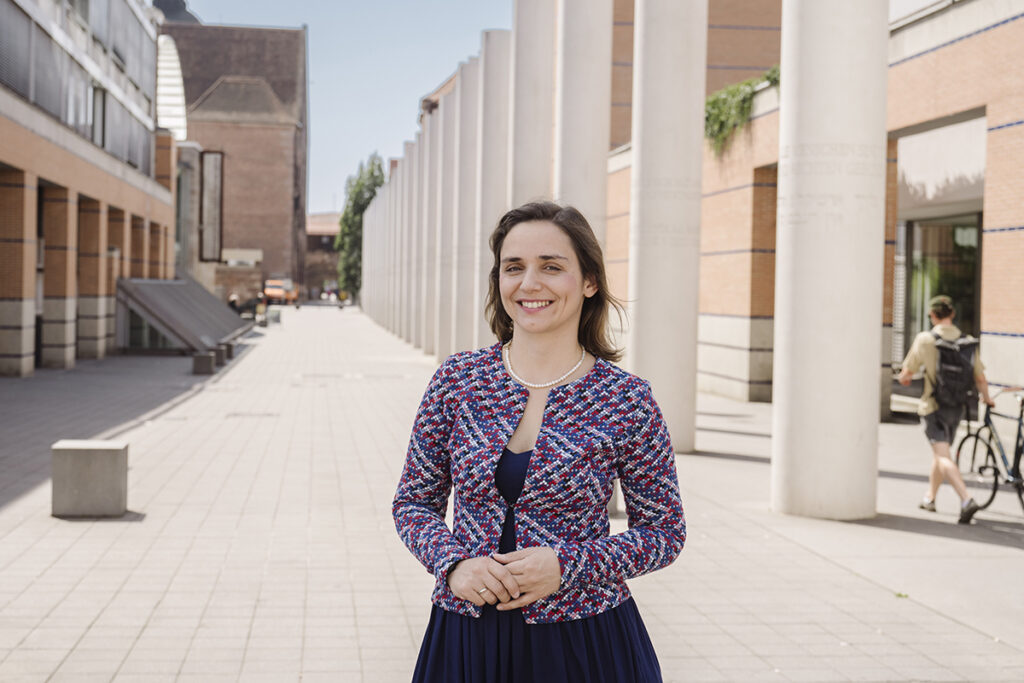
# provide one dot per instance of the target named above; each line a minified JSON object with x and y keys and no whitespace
{"x":17,"y":341}
{"x":92,"y":327}
{"x":59,"y":332}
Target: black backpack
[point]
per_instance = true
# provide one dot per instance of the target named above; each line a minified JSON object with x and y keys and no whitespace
{"x":954,"y":371}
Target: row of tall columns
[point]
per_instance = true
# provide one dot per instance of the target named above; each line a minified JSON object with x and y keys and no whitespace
{"x":60,"y":256}
{"x":517,"y":124}
{"x":540,"y":129}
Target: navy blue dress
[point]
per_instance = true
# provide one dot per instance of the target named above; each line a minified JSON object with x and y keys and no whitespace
{"x":500,"y":647}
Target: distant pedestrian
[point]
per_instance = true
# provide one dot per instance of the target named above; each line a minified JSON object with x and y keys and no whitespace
{"x":530,"y":586}
{"x":233,"y":303}
{"x":949,"y":360}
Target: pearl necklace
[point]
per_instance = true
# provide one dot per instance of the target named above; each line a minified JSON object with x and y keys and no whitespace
{"x":542,"y":385}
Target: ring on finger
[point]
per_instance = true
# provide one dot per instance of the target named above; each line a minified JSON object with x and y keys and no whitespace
{"x":483,"y":590}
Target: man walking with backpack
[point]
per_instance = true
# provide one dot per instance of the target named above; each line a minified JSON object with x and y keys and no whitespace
{"x":952,"y":372}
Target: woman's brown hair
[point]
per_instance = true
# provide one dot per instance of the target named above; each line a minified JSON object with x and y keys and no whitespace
{"x":594,"y":334}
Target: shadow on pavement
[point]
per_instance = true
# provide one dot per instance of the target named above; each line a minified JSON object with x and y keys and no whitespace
{"x":765,"y":460}
{"x":760,"y":459}
{"x":129,"y":516}
{"x":989,"y":531}
{"x":89,"y":400}
{"x":1004,"y":532}
{"x":735,"y":432}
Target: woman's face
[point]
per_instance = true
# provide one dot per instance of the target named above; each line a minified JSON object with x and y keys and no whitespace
{"x":541,"y":284}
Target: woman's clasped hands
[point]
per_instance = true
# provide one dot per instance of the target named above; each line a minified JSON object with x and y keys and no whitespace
{"x":510,"y":580}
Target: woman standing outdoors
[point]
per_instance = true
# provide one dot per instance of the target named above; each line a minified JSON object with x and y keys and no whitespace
{"x":529,"y":434}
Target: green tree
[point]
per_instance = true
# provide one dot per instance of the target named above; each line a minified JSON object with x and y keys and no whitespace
{"x":360,"y":190}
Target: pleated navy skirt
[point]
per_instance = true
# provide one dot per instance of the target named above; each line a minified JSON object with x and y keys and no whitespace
{"x":500,"y":647}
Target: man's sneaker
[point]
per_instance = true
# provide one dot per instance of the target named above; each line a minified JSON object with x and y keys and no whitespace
{"x":968,"y":510}
{"x":928,"y":505}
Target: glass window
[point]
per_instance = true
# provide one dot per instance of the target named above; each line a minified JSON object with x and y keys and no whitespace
{"x":943,"y":259}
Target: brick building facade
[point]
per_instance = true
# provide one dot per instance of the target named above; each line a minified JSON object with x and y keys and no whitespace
{"x":246,"y":97}
{"x":85,"y":179}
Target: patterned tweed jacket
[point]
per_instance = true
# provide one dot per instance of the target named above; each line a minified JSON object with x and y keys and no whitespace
{"x":599,"y":427}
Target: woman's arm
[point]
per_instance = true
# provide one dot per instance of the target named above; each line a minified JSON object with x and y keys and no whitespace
{"x":650,"y":487}
{"x":422,"y":495}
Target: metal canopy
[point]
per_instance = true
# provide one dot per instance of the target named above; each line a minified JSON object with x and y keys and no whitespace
{"x":183,"y":311}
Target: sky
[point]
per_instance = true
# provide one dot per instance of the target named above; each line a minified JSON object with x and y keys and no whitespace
{"x":370,"y":62}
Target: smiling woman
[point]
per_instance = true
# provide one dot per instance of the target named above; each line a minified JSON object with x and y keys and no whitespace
{"x":530,"y":586}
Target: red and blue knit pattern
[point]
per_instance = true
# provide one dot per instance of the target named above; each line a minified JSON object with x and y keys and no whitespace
{"x":602,"y":426}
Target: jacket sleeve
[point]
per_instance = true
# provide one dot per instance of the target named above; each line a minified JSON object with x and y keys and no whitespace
{"x":422,"y":496}
{"x":650,"y":488}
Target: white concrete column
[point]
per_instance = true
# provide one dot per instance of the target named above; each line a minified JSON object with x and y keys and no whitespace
{"x":414,"y":242}
{"x":389,"y":247}
{"x":664,"y":240}
{"x":431,"y":281}
{"x":369,"y":276}
{"x":375,"y":246}
{"x":421,"y":235}
{"x":583,"y":96}
{"x":829,"y":244}
{"x":385,"y":257}
{"x":395,"y":249}
{"x":407,"y":182}
{"x":446,"y":235}
{"x":378,"y":257}
{"x":395,"y":193}
{"x":399,"y":248}
{"x":492,"y":164}
{"x":378,"y":260}
{"x":531,"y":129}
{"x":464,"y":286}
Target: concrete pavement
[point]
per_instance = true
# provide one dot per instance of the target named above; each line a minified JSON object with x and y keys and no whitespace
{"x":260,"y":544}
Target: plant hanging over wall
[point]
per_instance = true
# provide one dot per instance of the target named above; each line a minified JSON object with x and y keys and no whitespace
{"x":729,"y":108}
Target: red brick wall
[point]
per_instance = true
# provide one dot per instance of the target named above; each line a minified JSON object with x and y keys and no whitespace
{"x":258,"y":184}
{"x":743,"y":42}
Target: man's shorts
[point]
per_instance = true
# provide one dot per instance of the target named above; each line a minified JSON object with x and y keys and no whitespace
{"x":940,"y":426}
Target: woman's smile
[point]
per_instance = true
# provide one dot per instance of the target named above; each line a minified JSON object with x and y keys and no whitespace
{"x":542,"y":287}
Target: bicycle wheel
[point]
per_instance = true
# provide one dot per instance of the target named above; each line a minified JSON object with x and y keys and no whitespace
{"x":970,"y":453}
{"x":977,"y":463}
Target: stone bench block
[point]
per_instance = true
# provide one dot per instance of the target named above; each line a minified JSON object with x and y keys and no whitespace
{"x":204,"y":363}
{"x":220,"y":355}
{"x":229,"y":348}
{"x":89,"y":478}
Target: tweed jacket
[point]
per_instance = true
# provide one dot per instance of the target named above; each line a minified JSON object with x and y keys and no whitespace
{"x":602,"y":426}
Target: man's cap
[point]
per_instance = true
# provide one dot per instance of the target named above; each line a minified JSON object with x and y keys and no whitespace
{"x":940,"y":301}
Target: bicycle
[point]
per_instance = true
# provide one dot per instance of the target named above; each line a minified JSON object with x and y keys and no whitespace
{"x":976,"y":458}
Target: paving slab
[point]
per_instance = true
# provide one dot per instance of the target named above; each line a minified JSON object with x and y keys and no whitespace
{"x":260,"y":546}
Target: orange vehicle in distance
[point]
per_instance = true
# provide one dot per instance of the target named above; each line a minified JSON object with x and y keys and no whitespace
{"x":280,"y":291}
